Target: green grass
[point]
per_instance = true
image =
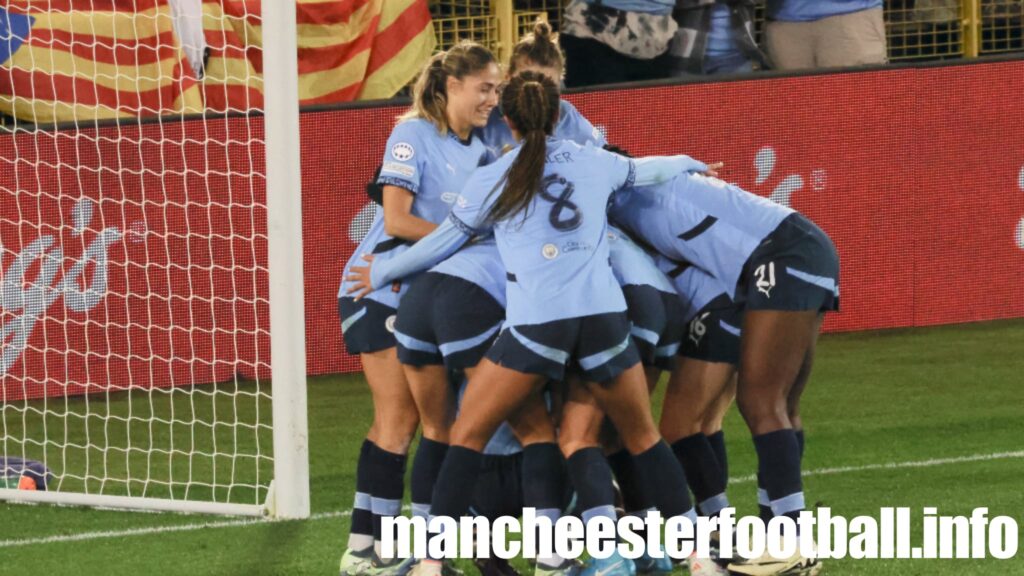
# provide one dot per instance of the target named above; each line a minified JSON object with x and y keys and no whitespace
{"x":875,"y":398}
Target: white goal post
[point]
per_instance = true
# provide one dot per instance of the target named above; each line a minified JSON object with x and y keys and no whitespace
{"x":151,"y":261}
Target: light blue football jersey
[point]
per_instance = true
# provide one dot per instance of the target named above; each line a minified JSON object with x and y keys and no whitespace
{"x":571,"y":126}
{"x":432,"y":166}
{"x":701,"y":220}
{"x":480,"y":262}
{"x":695,"y":287}
{"x":556,"y":251}
{"x":633,"y":266}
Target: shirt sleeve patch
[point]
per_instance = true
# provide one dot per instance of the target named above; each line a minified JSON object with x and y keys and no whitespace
{"x":403,"y":151}
{"x":400,"y":169}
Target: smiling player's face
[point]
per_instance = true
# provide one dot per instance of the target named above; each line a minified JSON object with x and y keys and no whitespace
{"x":471,"y":99}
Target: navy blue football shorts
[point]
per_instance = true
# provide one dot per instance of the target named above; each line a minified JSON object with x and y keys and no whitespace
{"x":366,"y":325}
{"x":597,"y":347}
{"x":796,"y":267}
{"x":444,"y":319}
{"x":657,"y":326}
{"x":713,"y":334}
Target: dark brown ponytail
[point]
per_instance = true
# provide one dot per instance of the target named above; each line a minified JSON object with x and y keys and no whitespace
{"x":530,"y":103}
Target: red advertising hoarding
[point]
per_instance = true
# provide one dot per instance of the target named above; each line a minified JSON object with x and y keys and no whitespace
{"x":917,"y":175}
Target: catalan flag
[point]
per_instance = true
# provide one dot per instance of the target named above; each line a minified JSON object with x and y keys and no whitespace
{"x":348,"y":49}
{"x":81,"y":60}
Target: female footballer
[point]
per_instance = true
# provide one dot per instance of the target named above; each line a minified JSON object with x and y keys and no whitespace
{"x":430,"y":154}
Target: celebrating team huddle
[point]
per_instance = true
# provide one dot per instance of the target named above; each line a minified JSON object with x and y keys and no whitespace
{"x":520,"y":292}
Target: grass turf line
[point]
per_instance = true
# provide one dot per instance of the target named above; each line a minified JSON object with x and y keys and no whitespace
{"x":875,"y":397}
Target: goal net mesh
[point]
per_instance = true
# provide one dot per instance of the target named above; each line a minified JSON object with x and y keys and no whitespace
{"x":133,"y":248}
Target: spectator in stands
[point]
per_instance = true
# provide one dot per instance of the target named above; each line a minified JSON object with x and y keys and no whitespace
{"x":803,"y":34}
{"x":608,"y":41}
{"x":715,"y":37}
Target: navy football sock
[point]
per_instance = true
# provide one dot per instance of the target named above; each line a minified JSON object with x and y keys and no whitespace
{"x":360,"y":535}
{"x":717,"y":441}
{"x":664,"y":480}
{"x":634,"y":498}
{"x":778,"y":455}
{"x":388,"y":477}
{"x":425,"y":467}
{"x":698,"y":459}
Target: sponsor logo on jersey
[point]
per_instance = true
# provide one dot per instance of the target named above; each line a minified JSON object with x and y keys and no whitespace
{"x":575,"y":247}
{"x":403,"y":151}
{"x":400,"y":169}
{"x":449,"y":197}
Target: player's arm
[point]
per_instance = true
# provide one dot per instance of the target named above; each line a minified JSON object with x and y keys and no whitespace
{"x":439,"y":244}
{"x":399,"y":220}
{"x":651,"y":170}
{"x":657,"y":169}
{"x":401,"y":178}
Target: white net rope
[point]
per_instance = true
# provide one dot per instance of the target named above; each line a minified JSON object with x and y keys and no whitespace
{"x":133,"y":248}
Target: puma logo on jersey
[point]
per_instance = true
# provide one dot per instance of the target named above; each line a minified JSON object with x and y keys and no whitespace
{"x":765,"y":278}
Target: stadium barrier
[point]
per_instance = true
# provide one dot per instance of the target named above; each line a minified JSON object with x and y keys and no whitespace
{"x":914,"y":31}
{"x":916,"y":173}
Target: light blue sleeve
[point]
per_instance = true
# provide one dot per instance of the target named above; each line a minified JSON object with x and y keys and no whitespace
{"x":574,"y":126}
{"x":477,"y":197}
{"x":467,"y":219}
{"x":404,"y":157}
{"x":424,"y":254}
{"x":625,"y":172}
{"x":658,"y":169}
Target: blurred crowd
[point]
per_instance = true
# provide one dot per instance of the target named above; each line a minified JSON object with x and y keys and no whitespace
{"x":609,"y":41}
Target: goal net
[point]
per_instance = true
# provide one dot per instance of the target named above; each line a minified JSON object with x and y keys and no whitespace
{"x":139,"y":273}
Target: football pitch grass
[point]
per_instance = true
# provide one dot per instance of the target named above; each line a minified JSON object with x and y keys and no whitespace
{"x":912,"y":418}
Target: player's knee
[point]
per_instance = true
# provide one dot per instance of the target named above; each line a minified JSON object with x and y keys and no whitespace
{"x":570,"y":444}
{"x":677,"y":429}
{"x":465,"y":436}
{"x":757,"y":409}
{"x":639,"y":441}
{"x":437,"y":430}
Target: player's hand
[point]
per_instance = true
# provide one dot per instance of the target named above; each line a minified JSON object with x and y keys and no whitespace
{"x":713,"y":169}
{"x":359,"y":276}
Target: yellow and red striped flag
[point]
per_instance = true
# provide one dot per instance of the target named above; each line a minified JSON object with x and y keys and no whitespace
{"x":79,"y":60}
{"x":348,"y":49}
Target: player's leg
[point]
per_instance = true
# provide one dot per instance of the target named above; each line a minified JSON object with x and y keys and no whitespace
{"x":498,"y":492}
{"x":367,"y":326}
{"x":610,"y":365}
{"x":423,"y":365}
{"x":788,"y":282}
{"x":772,"y":353}
{"x":793,"y":400}
{"x":544,"y":480}
{"x":492,"y":396}
{"x":693,"y":389}
{"x":452,"y":322}
{"x":708,"y":356}
{"x":394,"y":426}
{"x":712,"y":426}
